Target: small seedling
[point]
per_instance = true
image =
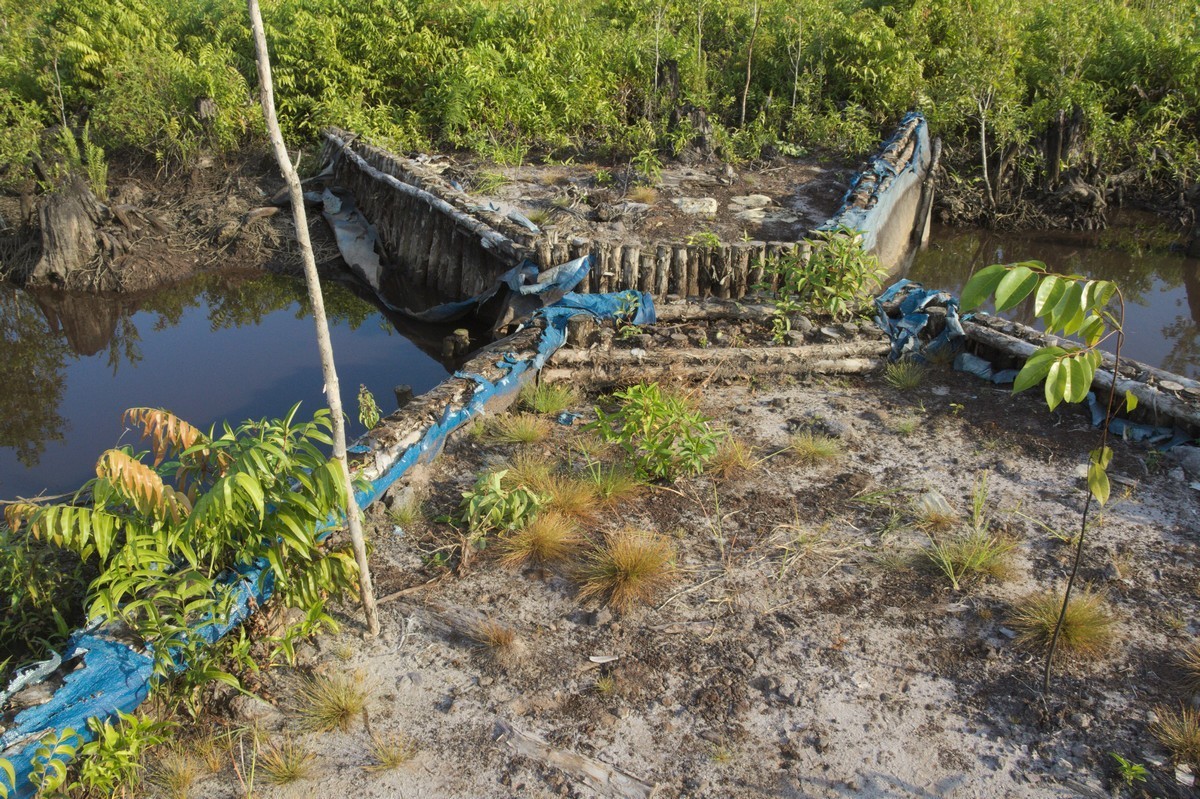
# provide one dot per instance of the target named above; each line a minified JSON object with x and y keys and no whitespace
{"x":905,"y":374}
{"x":285,"y":761}
{"x":368,"y":409}
{"x":1087,"y":628}
{"x":490,"y":507}
{"x":906,"y":427}
{"x":1179,"y":732}
{"x":606,"y":685}
{"x":1128,"y":771}
{"x":630,"y":568}
{"x":330,"y":702}
{"x":392,"y":751}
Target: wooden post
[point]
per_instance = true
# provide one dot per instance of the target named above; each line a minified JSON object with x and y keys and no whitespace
{"x":316,"y":299}
{"x":662,"y":269}
{"x":629,"y":266}
{"x":679,"y":258}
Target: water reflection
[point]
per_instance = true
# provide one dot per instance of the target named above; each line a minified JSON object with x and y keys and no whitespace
{"x":226,"y":346}
{"x":1161,"y":288}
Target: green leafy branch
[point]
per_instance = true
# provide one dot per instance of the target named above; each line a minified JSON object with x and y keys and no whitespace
{"x":1068,"y":305}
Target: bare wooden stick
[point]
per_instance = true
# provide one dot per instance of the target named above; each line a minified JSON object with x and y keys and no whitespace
{"x":597,"y":775}
{"x":324,"y":345}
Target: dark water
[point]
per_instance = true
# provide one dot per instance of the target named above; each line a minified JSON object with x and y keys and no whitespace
{"x":225,"y":347}
{"x":1161,"y":287}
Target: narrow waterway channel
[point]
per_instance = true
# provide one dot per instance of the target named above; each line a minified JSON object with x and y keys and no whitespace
{"x":1161,"y":287}
{"x":223,"y":347}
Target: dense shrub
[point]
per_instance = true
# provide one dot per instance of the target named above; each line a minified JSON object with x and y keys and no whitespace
{"x":531,"y":77}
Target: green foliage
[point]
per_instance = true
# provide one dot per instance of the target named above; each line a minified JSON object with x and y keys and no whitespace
{"x":161,"y":533}
{"x":662,"y":434}
{"x":368,"y":410}
{"x":112,"y":763}
{"x":491,"y":507}
{"x":548,"y":398}
{"x":48,"y":767}
{"x":836,"y":279}
{"x":1129,"y":771}
{"x":1068,"y":305}
{"x":703,"y":238}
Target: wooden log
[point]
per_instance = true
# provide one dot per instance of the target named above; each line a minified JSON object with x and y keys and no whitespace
{"x":704,"y":272}
{"x":758,"y":264}
{"x":630,"y":264}
{"x":559,"y":252}
{"x":1157,"y":406}
{"x":438,"y":243}
{"x":693,"y":271}
{"x":735,"y":356}
{"x":579,"y":328}
{"x":741,"y":269}
{"x":679,"y":260}
{"x":662,"y":269}
{"x":604,"y":266}
{"x":596,"y":775}
{"x":543,"y":257}
{"x":723,"y":269}
{"x":646,"y":271}
{"x":579,"y":248}
{"x":600,"y":373}
{"x":714,"y":310}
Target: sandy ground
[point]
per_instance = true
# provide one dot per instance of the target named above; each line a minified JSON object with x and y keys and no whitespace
{"x":802,"y":650}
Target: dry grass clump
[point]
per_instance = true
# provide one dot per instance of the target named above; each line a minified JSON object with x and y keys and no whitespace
{"x":1179,"y":733}
{"x":391,"y":751}
{"x":498,"y":641}
{"x":548,"y":398}
{"x":1189,"y":664}
{"x":530,"y":469}
{"x":517,"y":428}
{"x":734,"y":456}
{"x":969,"y":557}
{"x":1088,"y":628}
{"x":643,"y":194}
{"x":407,"y":513}
{"x":551,"y":536}
{"x":568,"y":494}
{"x":174,"y":773}
{"x":812,"y":448}
{"x":629,"y":568}
{"x":329,"y":702}
{"x":285,"y":761}
{"x":904,"y":375}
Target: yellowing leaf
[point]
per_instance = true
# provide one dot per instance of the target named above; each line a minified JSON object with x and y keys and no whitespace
{"x":1131,"y":401}
{"x":1098,"y":483}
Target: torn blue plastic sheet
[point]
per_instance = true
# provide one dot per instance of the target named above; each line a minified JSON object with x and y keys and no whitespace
{"x":104,"y":675}
{"x":905,"y":332}
{"x":1160,"y":437}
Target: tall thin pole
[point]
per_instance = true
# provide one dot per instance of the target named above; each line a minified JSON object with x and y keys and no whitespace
{"x":332,"y":392}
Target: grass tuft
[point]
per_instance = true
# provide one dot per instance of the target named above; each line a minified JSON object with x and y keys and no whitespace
{"x":904,"y":375}
{"x":498,"y":641}
{"x":517,"y":428}
{"x":1088,"y":628}
{"x":1179,"y":733}
{"x":1189,"y":664}
{"x":329,"y":702}
{"x":174,"y":774}
{"x":613,"y":482}
{"x":391,"y":751}
{"x":548,"y":398}
{"x":970,"y":557}
{"x":630,"y":568}
{"x":812,"y":448}
{"x":285,"y":762}
{"x":734,"y":456}
{"x":407,"y":513}
{"x":550,"y":537}
{"x":643,"y":194}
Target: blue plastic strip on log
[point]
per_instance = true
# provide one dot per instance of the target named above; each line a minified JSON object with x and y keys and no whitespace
{"x":905,"y":332}
{"x":890,"y":184}
{"x":113,"y":676}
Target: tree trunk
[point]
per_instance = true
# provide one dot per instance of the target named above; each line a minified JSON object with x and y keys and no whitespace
{"x":749,"y":62}
{"x":69,"y":218}
{"x":332,"y":390}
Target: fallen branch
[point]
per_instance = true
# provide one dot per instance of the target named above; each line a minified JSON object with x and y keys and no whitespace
{"x":597,"y":775}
